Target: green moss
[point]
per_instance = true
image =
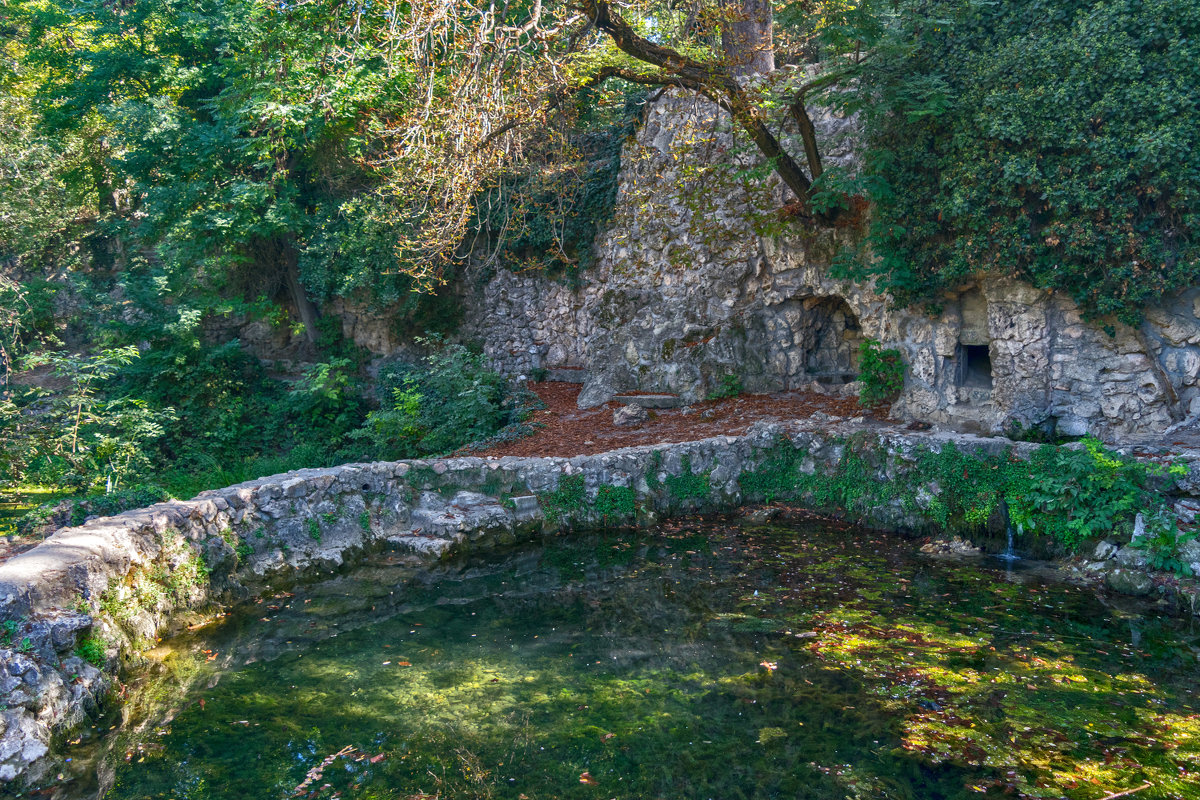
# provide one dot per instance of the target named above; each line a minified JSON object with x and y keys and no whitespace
{"x":500,"y":482}
{"x":314,"y":529}
{"x":364,"y":521}
{"x":422,"y":477}
{"x":652,"y":480}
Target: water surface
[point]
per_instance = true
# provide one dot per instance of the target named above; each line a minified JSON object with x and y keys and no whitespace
{"x":701,"y":660}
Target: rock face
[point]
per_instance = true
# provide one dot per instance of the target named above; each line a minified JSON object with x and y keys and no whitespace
{"x":698,"y":278}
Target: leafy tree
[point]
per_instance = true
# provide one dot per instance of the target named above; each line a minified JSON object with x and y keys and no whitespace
{"x":80,"y":438}
{"x":1052,"y":141}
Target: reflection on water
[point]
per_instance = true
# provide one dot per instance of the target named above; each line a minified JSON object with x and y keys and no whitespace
{"x":701,"y":660}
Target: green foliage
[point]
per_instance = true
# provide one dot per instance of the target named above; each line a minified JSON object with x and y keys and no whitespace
{"x":314,"y":529}
{"x":615,"y":502}
{"x":1066,"y":494}
{"x":729,"y":386}
{"x":612,"y":503}
{"x":324,"y":399}
{"x":778,"y":474}
{"x":881,"y":372}
{"x":451,"y":400}
{"x":688,"y":485}
{"x":969,"y":488}
{"x":92,"y":649}
{"x":1051,"y":140}
{"x":231,"y":412}
{"x":364,"y":521}
{"x":569,"y":498}
{"x":189,"y":575}
{"x":1162,"y":542}
{"x":78,"y":437}
{"x":1072,"y":495}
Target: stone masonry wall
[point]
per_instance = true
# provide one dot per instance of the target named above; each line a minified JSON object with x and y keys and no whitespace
{"x":697,"y":277}
{"x":120,"y":582}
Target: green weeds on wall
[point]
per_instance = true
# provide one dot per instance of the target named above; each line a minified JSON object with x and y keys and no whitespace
{"x":1068,"y":495}
{"x":612,"y":503}
{"x":881,"y":373}
{"x":688,"y":485}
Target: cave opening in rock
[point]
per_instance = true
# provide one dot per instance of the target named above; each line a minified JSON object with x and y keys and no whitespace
{"x":975,"y":366}
{"x":831,"y":336}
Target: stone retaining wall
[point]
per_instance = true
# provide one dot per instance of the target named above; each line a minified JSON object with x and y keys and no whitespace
{"x":107,"y":589}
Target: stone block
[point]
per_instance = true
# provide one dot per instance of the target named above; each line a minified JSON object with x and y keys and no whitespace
{"x":1129,"y":581}
{"x":631,"y":416}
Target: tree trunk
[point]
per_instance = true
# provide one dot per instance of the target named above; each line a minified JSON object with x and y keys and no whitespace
{"x":304,"y":307}
{"x":107,"y":251}
{"x":746,"y":37}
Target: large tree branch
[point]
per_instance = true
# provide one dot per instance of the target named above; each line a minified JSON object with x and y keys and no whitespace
{"x":799,"y":111}
{"x":714,"y":81}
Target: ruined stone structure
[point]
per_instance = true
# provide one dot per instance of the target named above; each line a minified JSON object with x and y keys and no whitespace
{"x":697,"y":278}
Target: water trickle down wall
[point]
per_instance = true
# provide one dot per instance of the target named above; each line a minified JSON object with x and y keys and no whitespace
{"x":698,"y":277}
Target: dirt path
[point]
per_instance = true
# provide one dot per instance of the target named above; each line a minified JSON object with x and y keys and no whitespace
{"x":571,"y":431}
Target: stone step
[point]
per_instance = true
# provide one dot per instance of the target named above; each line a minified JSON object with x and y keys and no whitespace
{"x":566,"y":374}
{"x":650,"y":400}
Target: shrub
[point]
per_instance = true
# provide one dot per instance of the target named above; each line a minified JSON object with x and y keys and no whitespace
{"x":450,"y":400}
{"x":729,"y":386}
{"x":1072,"y":495}
{"x":881,"y":372}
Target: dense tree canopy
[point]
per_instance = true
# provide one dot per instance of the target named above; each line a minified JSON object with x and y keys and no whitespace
{"x":315,"y":149}
{"x":166,"y":163}
{"x":1052,"y":140}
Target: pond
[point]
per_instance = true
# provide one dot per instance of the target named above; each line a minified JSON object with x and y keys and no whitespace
{"x":703,"y":659}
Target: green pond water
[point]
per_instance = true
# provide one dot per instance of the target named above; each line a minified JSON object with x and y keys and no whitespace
{"x":700,"y":660}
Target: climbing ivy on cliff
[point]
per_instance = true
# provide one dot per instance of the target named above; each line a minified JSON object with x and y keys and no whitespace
{"x":545,"y":213}
{"x":1051,"y":140}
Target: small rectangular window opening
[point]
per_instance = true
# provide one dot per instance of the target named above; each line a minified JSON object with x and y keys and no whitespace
{"x":975,"y":366}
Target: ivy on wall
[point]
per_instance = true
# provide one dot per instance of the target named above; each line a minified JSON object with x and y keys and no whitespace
{"x":1052,"y":140}
{"x":547,"y":216}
